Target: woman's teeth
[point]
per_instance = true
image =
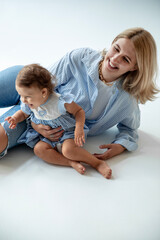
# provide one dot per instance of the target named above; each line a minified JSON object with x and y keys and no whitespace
{"x":111,"y":64}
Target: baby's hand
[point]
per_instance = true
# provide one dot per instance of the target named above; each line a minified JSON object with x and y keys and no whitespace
{"x":79,"y":137}
{"x":12,"y":122}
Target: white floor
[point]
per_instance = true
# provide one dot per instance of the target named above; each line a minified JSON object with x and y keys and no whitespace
{"x":43,"y":202}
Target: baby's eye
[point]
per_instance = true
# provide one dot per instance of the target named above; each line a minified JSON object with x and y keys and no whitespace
{"x":25,"y":97}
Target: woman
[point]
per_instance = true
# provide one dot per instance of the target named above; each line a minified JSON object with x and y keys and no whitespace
{"x":108,"y":86}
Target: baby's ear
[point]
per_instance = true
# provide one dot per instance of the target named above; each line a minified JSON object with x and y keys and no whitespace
{"x":44,"y":92}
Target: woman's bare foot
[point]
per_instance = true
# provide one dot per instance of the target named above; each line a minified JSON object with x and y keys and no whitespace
{"x":104,"y":169}
{"x":78,"y":167}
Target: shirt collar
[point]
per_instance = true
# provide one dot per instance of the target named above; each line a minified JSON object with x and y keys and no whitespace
{"x":91,"y":61}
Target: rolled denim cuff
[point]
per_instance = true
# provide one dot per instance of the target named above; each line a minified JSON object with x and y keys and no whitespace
{"x":2,"y":154}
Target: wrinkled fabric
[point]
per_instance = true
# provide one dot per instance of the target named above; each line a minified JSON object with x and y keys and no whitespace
{"x":77,"y":74}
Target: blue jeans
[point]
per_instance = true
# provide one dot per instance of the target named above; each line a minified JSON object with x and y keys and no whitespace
{"x":9,"y":97}
{"x":8,"y":93}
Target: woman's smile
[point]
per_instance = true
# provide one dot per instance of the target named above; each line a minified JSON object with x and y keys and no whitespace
{"x":111,"y":65}
{"x":119,"y":59}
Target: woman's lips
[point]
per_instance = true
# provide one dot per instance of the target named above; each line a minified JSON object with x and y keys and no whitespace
{"x":111,"y":65}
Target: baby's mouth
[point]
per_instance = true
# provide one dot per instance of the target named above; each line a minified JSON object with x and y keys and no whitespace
{"x":30,"y":105}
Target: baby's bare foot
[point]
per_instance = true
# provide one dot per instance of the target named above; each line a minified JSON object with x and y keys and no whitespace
{"x":104,"y":169}
{"x":78,"y":167}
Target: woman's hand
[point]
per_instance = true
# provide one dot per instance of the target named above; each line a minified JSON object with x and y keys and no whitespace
{"x":46,"y":131}
{"x":113,"y":149}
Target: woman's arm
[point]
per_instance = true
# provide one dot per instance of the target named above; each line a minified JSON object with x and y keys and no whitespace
{"x":48,"y":132}
{"x":113,"y":149}
{"x":56,"y":133}
{"x":126,"y":138}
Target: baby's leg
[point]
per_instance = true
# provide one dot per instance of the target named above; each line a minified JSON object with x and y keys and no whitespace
{"x":75,"y":153}
{"x":44,"y":151}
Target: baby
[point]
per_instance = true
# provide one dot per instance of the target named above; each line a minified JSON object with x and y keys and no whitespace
{"x":43,"y":106}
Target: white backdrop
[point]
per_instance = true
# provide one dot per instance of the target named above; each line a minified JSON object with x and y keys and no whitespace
{"x":39,"y":201}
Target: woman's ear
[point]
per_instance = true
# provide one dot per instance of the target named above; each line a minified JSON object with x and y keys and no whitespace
{"x":134,"y":68}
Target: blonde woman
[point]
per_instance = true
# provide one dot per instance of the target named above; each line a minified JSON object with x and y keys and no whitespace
{"x":108,"y":86}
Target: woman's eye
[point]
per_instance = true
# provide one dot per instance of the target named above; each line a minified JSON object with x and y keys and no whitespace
{"x":126,"y":60}
{"x":116,"y":49}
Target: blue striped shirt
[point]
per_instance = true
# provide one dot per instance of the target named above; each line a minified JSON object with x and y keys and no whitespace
{"x":77,"y":74}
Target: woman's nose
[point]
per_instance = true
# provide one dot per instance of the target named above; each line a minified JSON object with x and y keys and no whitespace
{"x":116,"y":58}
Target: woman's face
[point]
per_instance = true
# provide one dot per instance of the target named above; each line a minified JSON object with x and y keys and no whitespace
{"x":119,"y":59}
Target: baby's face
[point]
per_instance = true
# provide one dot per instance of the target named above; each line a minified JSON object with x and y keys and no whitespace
{"x":32,"y":96}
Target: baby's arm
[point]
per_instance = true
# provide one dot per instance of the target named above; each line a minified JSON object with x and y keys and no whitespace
{"x":79,"y":114}
{"x":19,"y":116}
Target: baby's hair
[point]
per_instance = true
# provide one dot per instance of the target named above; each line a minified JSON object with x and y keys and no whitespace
{"x":35,"y":75}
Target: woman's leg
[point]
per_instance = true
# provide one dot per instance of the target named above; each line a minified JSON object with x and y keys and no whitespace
{"x":75,"y":153}
{"x":3,"y":139}
{"x":9,"y":137}
{"x":44,"y":151}
{"x":9,"y":95}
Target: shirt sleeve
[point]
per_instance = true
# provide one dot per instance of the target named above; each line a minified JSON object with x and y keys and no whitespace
{"x":68,"y":66}
{"x":128,"y":131}
{"x":25,"y":108}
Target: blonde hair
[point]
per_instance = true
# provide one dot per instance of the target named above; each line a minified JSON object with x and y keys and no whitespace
{"x":34,"y":74}
{"x":141,"y":82}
